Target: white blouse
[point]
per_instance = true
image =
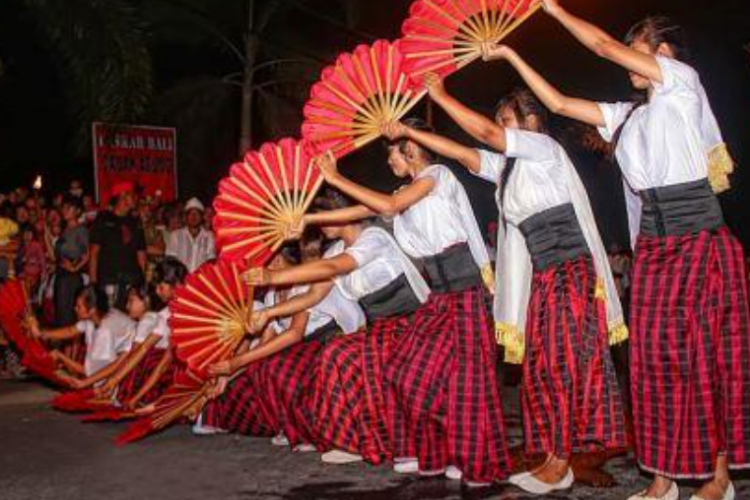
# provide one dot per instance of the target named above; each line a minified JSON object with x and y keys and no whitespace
{"x":440,"y":220}
{"x":104,"y":343}
{"x":163,"y":330}
{"x":380,"y":261}
{"x":538,"y":179}
{"x":146,"y":326}
{"x":666,"y":141}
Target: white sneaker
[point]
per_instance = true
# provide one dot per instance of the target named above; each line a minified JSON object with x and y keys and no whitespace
{"x":730,"y":494}
{"x":453,"y":473}
{"x":206,"y":430}
{"x":305,"y":448}
{"x":280,"y":440}
{"x":672,"y":494}
{"x":517,"y":478}
{"x":339,"y":457}
{"x":532,"y":485}
{"x":406,"y":466}
{"x":199,"y":429}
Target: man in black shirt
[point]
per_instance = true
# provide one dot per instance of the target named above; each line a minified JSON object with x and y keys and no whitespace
{"x":118,"y":247}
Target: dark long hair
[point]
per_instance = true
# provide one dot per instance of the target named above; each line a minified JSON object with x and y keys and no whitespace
{"x":523,"y":103}
{"x":656,"y":30}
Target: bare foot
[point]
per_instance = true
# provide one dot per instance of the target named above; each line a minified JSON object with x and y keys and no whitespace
{"x":714,"y":490}
{"x":553,"y":471}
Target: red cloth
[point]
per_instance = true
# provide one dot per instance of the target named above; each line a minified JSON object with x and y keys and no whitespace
{"x":690,"y":346}
{"x":448,"y":409}
{"x":134,"y":380}
{"x":570,"y":398}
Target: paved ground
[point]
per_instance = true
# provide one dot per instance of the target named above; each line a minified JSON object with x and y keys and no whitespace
{"x":48,"y":455}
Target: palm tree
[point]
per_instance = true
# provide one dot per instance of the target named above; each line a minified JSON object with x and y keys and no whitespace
{"x":101,"y":48}
{"x":272,"y":66}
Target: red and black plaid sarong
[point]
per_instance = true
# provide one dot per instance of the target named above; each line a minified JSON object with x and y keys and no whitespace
{"x":690,"y":354}
{"x":349,"y":405}
{"x":261,"y":400}
{"x":570,"y":398}
{"x":243,"y":409}
{"x":446,"y":390}
{"x":135,"y":380}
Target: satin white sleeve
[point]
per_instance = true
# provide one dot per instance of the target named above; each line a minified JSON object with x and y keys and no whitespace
{"x":368,"y":247}
{"x":491,"y":165}
{"x":614,"y":114}
{"x":531,"y":146}
{"x":676,"y":76}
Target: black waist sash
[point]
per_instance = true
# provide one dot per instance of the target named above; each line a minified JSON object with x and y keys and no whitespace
{"x":554,"y":236}
{"x":395,"y":299}
{"x":680,"y":209}
{"x":453,"y":270}
{"x":325,"y":333}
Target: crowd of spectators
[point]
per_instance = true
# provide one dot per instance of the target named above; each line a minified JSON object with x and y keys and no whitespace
{"x":58,"y":242}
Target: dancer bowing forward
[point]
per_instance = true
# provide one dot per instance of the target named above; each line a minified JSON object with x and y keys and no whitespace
{"x":448,"y":416}
{"x":349,"y":408}
{"x":689,"y":313}
{"x":555,"y":301}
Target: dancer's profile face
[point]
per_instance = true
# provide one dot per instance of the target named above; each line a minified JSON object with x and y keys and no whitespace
{"x":331,"y":232}
{"x":136,"y":306}
{"x":507,"y":118}
{"x":83,"y":311}
{"x":397,"y":161}
{"x":165,"y":291}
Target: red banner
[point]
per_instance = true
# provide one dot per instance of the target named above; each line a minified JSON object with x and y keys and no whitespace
{"x":145,"y":156}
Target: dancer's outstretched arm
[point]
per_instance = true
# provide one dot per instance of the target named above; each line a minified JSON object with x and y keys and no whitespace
{"x":603,"y":44}
{"x":466,"y":156}
{"x":572,"y":107}
{"x":388,"y":205}
{"x":309,"y":272}
{"x":475,"y":124}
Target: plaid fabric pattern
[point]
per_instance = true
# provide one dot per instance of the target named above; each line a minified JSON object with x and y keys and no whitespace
{"x":447,"y":397}
{"x":350,"y":405}
{"x":242,"y":409}
{"x":690,"y":352}
{"x":134,"y":380}
{"x":569,"y":397}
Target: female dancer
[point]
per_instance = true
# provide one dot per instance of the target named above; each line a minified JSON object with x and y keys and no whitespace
{"x":448,"y":414}
{"x":349,"y":408}
{"x":689,"y":312}
{"x":552,"y":274}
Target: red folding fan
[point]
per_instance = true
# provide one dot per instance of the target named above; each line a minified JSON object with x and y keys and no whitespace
{"x":186,"y":397}
{"x":262,"y":197}
{"x":209,"y":313}
{"x":356,"y":96}
{"x":442,"y":36}
{"x":14,"y":315}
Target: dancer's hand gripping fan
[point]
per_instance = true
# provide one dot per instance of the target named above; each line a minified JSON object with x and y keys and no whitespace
{"x":185,"y":398}
{"x":15,"y":315}
{"x":209,"y":315}
{"x":262,"y":199}
{"x":355,"y":97}
{"x":443,"y":36}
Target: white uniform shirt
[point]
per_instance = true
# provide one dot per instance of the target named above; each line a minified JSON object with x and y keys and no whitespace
{"x":434,"y":223}
{"x":538,"y":179}
{"x":146,"y":326}
{"x":666,"y":141}
{"x":114,"y":336}
{"x":192,"y":252}
{"x":163,"y":330}
{"x":379,"y":263}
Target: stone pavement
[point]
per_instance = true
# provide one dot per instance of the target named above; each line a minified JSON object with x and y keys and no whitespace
{"x":47,"y":455}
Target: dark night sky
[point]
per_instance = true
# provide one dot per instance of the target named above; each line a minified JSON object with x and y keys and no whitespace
{"x":35,"y":134}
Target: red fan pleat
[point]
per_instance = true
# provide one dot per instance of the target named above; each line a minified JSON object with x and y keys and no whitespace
{"x":74,"y":401}
{"x":442,"y":36}
{"x":113,"y":415}
{"x":208,"y":315}
{"x":356,"y":96}
{"x":187,"y":395}
{"x":263,"y":196}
